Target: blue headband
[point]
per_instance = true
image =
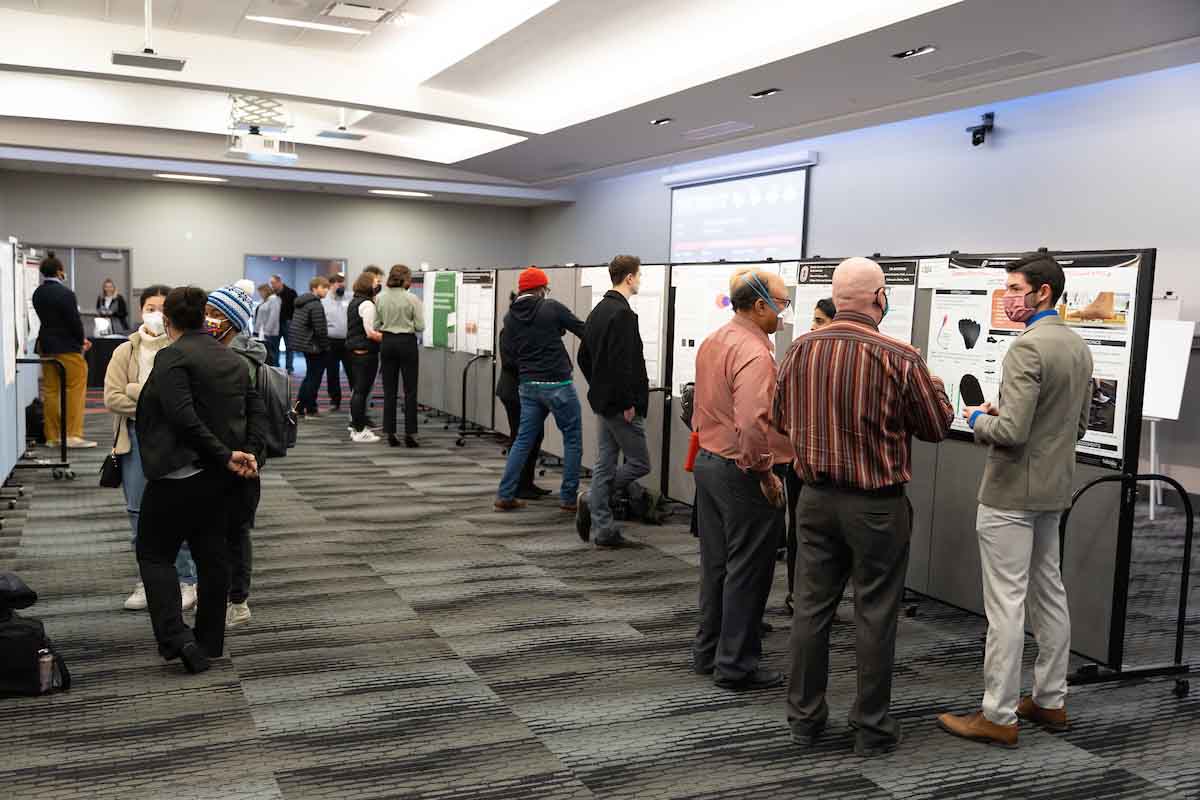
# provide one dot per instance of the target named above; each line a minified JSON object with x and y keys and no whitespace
{"x":761,"y":290}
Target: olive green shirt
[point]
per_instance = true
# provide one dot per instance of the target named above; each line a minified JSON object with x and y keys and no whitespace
{"x":399,"y":311}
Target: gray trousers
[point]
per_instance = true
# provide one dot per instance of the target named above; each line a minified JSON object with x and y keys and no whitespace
{"x":843,"y":534}
{"x":739,"y":533}
{"x":617,"y":436}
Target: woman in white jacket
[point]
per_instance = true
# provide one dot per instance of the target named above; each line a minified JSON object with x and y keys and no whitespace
{"x":127,"y":373}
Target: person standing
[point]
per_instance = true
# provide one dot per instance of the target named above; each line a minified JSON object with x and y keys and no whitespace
{"x":309,"y":334}
{"x":336,"y":304}
{"x":535,"y":326}
{"x":287,"y":310}
{"x":851,"y":399}
{"x":112,"y":305}
{"x":399,"y":316}
{"x":266,"y":323}
{"x":1046,"y":386}
{"x":613,"y":361}
{"x":61,"y":338}
{"x":200,"y":423}
{"x":739,"y":498}
{"x":362,"y":345}
{"x":507,"y":389}
{"x":127,"y":373}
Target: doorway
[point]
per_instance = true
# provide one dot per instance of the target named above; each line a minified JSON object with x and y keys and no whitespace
{"x":87,"y":269}
{"x":296,"y":272}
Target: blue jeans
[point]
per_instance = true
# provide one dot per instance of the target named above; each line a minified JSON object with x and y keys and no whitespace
{"x":538,"y":402}
{"x":133,"y":483}
{"x":617,"y":436}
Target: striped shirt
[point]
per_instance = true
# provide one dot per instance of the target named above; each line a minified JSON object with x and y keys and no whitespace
{"x":850,"y":398}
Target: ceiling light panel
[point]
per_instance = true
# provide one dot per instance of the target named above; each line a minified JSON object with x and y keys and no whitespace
{"x":325,"y":27}
{"x":399,"y":193}
{"x":192,"y":178}
{"x":356,"y":11}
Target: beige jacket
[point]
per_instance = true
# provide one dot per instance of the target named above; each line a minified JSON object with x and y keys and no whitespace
{"x":1045,"y":398}
{"x":123,"y":386}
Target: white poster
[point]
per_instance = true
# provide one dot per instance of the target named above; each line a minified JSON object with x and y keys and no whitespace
{"x":814,"y":282}
{"x":969,"y":335}
{"x":648,"y":304}
{"x":475,"y":331}
{"x":33,"y":325}
{"x":10,"y":319}
{"x":701,"y":306}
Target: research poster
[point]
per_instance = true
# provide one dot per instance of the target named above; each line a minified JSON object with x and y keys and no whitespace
{"x":476,"y":311}
{"x":701,"y":306}
{"x":814,"y":282}
{"x":648,"y":304}
{"x":9,"y":302}
{"x":33,"y":325}
{"x":441,"y":296}
{"x":969,"y":336}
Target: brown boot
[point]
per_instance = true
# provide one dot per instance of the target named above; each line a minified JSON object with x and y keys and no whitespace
{"x":979,"y":728}
{"x":1052,"y":719}
{"x":508,"y":505}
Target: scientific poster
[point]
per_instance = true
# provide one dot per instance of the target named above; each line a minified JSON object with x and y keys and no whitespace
{"x":33,"y":325}
{"x":441,"y":295}
{"x":10,"y":319}
{"x":476,"y":312}
{"x":701,"y":306}
{"x":814,"y":282}
{"x":969,"y":335}
{"x":648,"y":304}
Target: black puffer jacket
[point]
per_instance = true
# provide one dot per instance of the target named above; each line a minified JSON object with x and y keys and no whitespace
{"x":309,"y":332}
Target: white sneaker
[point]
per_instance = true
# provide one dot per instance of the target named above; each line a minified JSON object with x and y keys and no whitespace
{"x":76,"y":443}
{"x":137,"y":600}
{"x":237,"y":614}
{"x":366,"y":435}
{"x":187,"y":591}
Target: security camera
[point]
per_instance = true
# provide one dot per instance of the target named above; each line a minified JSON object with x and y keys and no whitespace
{"x":979,"y":132}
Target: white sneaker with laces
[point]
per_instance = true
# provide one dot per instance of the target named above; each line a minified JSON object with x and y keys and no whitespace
{"x":76,"y":443}
{"x":187,"y":591}
{"x":366,"y":435}
{"x":237,"y":614}
{"x":137,"y":600}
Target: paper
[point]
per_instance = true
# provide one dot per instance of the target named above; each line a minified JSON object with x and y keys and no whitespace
{"x":814,"y":282}
{"x":441,"y":294}
{"x":9,"y":318}
{"x":1166,"y":367}
{"x":476,"y":315}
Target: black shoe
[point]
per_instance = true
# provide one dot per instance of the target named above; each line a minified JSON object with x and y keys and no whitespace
{"x":759,"y":679}
{"x":877,"y":748}
{"x":193,"y":657}
{"x":530,"y":494}
{"x":808,"y":737}
{"x":393,"y":440}
{"x":613,"y":540}
{"x":788,"y":606}
{"x":583,"y":517}
{"x":702,"y":670}
{"x":410,"y":441}
{"x":539,"y":491}
{"x":335,"y":407}
{"x":781,"y":554}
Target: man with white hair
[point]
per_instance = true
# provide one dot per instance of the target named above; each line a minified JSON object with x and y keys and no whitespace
{"x":851,"y":399}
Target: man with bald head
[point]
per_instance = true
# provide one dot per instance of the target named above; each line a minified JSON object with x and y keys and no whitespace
{"x":739,"y":499}
{"x":850,"y":400}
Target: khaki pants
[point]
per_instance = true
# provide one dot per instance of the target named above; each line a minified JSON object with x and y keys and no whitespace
{"x":76,"y":396}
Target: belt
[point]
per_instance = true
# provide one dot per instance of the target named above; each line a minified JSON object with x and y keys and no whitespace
{"x":895,"y":490}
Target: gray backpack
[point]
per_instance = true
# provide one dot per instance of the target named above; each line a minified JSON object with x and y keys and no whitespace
{"x":275,"y":388}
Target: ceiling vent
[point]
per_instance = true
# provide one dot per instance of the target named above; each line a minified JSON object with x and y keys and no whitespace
{"x":716,"y":131}
{"x":979,"y":67}
{"x":356,"y":11}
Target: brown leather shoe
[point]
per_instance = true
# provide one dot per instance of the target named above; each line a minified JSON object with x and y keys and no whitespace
{"x":508,"y":505}
{"x":1052,"y":719}
{"x":568,"y":508}
{"x":979,"y":728}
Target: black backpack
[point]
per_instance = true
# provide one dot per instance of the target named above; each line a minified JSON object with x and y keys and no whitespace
{"x":275,"y":388}
{"x":29,"y":664}
{"x":687,"y":403}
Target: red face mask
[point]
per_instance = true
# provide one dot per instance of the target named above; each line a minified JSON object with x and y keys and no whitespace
{"x":1016,"y":309}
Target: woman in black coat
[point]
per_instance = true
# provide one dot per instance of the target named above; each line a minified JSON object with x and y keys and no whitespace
{"x":111,"y":304}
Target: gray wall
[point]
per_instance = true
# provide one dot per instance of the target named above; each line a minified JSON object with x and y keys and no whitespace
{"x":201,"y":234}
{"x":1093,"y":167}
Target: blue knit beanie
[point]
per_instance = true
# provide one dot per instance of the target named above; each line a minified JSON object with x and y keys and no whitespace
{"x":234,"y":304}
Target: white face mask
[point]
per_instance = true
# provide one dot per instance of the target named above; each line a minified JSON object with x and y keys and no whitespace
{"x":153,"y":322}
{"x":788,"y":317}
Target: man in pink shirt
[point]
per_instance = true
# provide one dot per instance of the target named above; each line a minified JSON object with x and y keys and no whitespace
{"x":739,"y":499}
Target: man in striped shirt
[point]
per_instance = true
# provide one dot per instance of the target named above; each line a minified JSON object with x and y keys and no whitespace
{"x":850,"y":400}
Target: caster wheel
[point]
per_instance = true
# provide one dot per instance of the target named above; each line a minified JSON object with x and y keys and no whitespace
{"x":446,"y":427}
{"x":69,"y":474}
{"x":460,"y":443}
{"x":1182,"y":688}
{"x":57,"y":474}
{"x":542,"y":473}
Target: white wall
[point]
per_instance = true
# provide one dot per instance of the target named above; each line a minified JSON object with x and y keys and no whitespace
{"x":1114,"y":165}
{"x":201,"y":234}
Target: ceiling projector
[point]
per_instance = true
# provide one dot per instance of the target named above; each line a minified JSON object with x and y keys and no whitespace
{"x":252,"y":145}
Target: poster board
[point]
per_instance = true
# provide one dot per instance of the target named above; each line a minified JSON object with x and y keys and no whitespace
{"x":814,"y":282}
{"x":475,"y":328}
{"x":969,"y":335}
{"x":440,"y":298}
{"x":30,"y":270}
{"x":649,"y":304}
{"x":10,"y":319}
{"x":1167,"y":358}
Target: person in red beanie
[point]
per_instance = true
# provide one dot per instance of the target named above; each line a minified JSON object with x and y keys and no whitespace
{"x":535,"y":325}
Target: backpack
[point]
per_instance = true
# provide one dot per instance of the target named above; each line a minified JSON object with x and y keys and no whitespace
{"x":29,"y":664}
{"x":687,"y":403}
{"x":273,"y":385}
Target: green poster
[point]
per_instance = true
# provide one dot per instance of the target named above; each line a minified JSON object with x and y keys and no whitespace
{"x":444,"y":288}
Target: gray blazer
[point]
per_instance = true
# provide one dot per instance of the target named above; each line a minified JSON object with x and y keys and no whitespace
{"x":1045,"y":397}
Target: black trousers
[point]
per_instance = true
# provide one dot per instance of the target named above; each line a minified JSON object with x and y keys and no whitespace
{"x":846,"y":534}
{"x":739,"y":534}
{"x":314,"y":370}
{"x":787,"y":473}
{"x":241,"y":550}
{"x":285,"y":335}
{"x":512,"y":408}
{"x":272,"y":345}
{"x":398,"y":357}
{"x":364,"y":367}
{"x":335,"y":359}
{"x":193,"y":510}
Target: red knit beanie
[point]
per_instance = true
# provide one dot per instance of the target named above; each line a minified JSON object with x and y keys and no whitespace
{"x":532,"y":278}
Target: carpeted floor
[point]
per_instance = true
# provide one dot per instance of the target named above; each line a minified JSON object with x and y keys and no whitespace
{"x":408,"y":642}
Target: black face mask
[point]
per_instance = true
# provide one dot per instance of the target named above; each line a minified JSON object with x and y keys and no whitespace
{"x":377,"y":289}
{"x":341,"y":291}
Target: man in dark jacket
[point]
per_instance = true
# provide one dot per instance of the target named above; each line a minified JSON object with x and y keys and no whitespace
{"x":613,"y":362}
{"x":309,"y":333}
{"x":287,"y":310}
{"x":535,"y":325}
{"x":61,"y":338}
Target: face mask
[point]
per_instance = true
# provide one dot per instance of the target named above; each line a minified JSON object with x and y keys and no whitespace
{"x":341,"y":291}
{"x":1016,"y":309}
{"x":885,"y":306}
{"x":153,"y":322}
{"x":788,"y":317}
{"x":213,"y":328}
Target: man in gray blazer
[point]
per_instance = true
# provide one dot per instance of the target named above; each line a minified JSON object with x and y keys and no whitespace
{"x":1045,"y":394}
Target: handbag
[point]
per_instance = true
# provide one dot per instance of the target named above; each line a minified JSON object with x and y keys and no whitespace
{"x":110,"y":470}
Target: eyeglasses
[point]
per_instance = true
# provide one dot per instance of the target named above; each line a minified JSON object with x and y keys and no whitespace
{"x":783,"y":303}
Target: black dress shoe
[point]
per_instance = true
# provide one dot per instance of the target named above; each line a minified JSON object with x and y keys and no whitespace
{"x":194,"y":658}
{"x":529,"y":494}
{"x":393,"y":440}
{"x":807,"y":737}
{"x":759,"y":679}
{"x":410,"y":441}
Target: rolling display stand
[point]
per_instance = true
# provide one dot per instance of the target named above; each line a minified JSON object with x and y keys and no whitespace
{"x":466,"y":428}
{"x":60,"y":469}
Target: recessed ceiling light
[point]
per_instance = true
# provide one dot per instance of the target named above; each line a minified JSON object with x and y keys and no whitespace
{"x":661,"y":121}
{"x":197,"y":178}
{"x":400,"y":193}
{"x":923,"y":50}
{"x":765,"y":93}
{"x":299,"y":23}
